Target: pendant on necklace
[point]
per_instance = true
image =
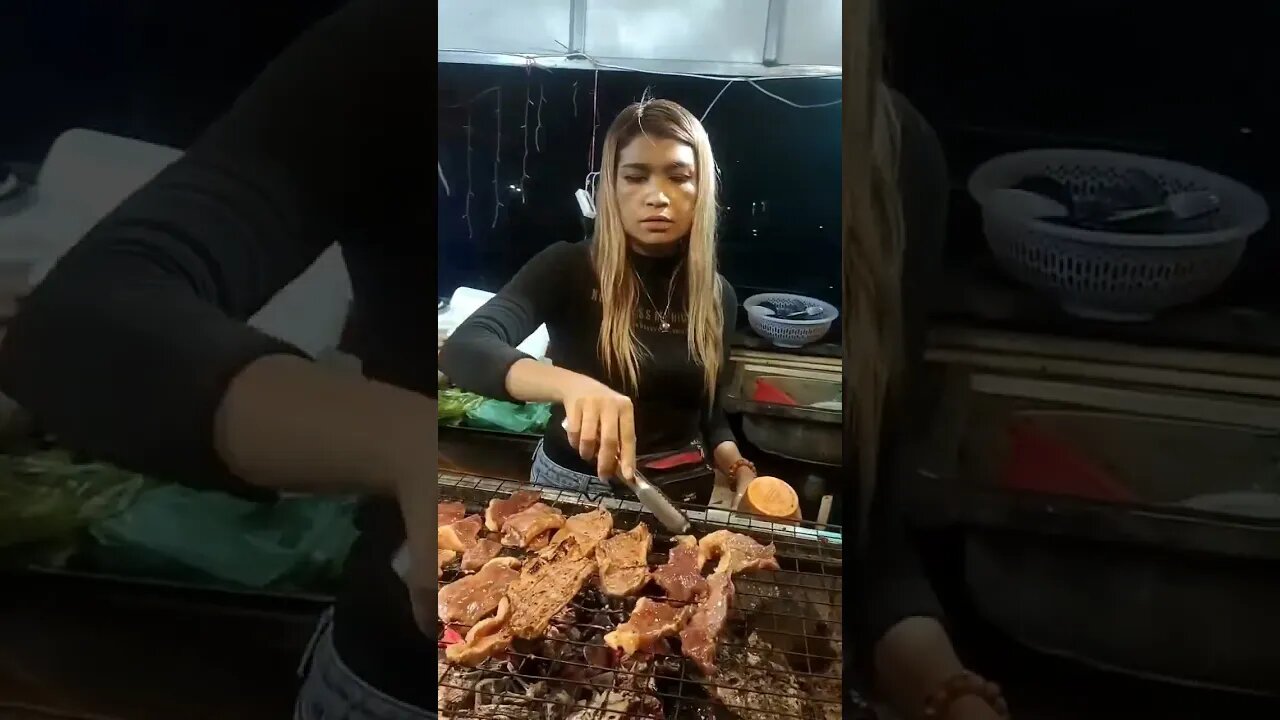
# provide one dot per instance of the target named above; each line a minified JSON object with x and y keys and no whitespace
{"x":664,"y":326}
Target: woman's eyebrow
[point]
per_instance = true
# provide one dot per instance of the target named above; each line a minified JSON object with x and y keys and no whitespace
{"x":646,"y":167}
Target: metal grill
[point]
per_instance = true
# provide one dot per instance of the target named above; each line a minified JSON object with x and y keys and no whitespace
{"x":779,"y":657}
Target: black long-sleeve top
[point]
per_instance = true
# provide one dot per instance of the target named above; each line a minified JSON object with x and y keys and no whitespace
{"x":558,"y":287}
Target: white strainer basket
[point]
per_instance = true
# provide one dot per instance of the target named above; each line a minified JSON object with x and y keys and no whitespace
{"x":1113,"y":275}
{"x":789,"y":333}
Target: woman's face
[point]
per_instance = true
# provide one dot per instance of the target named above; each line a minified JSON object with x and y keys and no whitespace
{"x":657,"y":189}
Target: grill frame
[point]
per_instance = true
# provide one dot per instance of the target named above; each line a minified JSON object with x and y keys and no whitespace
{"x":811,"y":561}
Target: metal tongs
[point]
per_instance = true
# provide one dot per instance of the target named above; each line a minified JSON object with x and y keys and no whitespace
{"x":654,"y":499}
{"x":657,"y":502}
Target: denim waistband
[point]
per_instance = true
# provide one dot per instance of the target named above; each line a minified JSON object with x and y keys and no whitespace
{"x":548,"y":473}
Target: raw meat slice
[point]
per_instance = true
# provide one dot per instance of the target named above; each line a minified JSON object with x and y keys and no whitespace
{"x":700,"y":636}
{"x":449,"y":512}
{"x":682,"y":577}
{"x":459,"y":535}
{"x":482,"y":552}
{"x":502,"y":508}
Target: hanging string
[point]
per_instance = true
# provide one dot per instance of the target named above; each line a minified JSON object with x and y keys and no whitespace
{"x":537,"y":132}
{"x":466,"y":211}
{"x":595,"y":123}
{"x":497,"y":158}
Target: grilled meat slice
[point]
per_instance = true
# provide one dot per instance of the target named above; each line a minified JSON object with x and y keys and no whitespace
{"x":443,"y":557}
{"x":737,"y":552}
{"x":651,"y":621}
{"x":545,"y":586}
{"x":624,"y":561}
{"x":581,"y":533}
{"x":471,"y":599}
{"x":487,"y":638}
{"x":522,"y":528}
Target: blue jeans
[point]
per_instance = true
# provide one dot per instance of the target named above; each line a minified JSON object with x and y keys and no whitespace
{"x":547,"y":473}
{"x":330,"y":691}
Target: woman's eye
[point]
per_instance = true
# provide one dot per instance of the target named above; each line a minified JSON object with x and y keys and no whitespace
{"x":634,"y":178}
{"x":681,"y":178}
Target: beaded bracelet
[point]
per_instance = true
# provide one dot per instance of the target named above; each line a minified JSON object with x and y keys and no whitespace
{"x":961,"y":684}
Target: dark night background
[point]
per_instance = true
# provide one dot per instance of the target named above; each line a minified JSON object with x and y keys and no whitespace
{"x":783,"y":160}
{"x":162,"y":72}
{"x":1194,"y":84}
{"x":1189,"y":82}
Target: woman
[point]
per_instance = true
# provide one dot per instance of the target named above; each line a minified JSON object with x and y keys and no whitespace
{"x":638,"y":317}
{"x":896,"y":188}
{"x":135,"y":347}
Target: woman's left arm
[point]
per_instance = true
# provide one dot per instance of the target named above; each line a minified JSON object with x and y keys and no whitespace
{"x":715,"y":427}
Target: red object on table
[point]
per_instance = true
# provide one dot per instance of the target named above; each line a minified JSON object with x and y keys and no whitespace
{"x":767,"y":393}
{"x":1039,"y":462}
{"x":674,"y":460}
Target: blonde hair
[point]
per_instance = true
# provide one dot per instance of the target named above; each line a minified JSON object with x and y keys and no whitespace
{"x":873,"y":245}
{"x":619,"y":347}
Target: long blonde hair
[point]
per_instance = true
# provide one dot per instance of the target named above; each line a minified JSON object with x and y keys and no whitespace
{"x":873,"y":244}
{"x":620,"y":349}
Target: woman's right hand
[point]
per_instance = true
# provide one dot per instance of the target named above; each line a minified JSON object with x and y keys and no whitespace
{"x":600,"y":423}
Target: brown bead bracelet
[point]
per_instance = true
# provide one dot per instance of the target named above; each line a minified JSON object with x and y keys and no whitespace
{"x":740,"y":463}
{"x":959,"y":685}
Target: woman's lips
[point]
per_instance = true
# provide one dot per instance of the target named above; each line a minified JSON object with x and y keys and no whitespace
{"x":656,"y":223}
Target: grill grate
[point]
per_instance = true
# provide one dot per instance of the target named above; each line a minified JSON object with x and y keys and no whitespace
{"x":780,"y":656}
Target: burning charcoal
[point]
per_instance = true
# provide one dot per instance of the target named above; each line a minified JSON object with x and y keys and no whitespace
{"x":754,"y":683}
{"x":456,"y":688}
{"x":492,"y":690}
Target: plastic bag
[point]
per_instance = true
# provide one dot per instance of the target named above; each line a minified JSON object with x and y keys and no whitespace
{"x":175,"y":533}
{"x":454,"y":404}
{"x":47,"y":498}
{"x":531,"y":418}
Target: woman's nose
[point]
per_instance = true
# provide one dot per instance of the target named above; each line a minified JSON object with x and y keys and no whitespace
{"x":657,"y":199}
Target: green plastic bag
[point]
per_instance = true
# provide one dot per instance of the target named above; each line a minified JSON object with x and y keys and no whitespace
{"x":530,"y":418}
{"x":47,"y":498}
{"x":175,"y":533}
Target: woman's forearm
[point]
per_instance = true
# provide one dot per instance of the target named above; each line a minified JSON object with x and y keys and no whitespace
{"x":289,"y":424}
{"x":912,"y":660}
{"x":529,"y":380}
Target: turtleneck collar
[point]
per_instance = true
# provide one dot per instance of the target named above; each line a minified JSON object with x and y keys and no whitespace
{"x":649,"y":265}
